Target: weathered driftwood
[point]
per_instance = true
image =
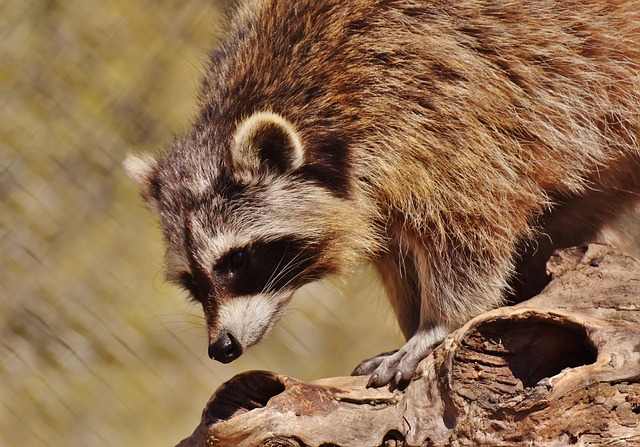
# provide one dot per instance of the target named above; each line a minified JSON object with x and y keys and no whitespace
{"x":560,"y":369}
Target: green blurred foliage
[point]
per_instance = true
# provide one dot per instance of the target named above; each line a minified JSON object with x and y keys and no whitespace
{"x":95,"y":349}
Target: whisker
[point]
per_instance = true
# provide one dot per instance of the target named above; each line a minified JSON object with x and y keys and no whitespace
{"x":290,"y":266}
{"x":294,"y":263}
{"x":280,"y":272}
{"x":295,"y":276}
{"x":276,"y":272}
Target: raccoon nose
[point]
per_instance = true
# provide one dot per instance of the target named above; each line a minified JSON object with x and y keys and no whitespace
{"x":225,"y":349}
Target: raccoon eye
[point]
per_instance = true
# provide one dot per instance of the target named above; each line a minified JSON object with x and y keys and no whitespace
{"x":233,"y":262}
{"x":237,"y":259}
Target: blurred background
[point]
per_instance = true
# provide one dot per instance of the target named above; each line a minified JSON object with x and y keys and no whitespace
{"x":95,"y":348}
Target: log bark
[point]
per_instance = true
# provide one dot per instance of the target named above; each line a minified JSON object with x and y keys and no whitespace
{"x":561,"y":369}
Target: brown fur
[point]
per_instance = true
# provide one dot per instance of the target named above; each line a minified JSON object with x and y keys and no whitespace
{"x":463,"y":137}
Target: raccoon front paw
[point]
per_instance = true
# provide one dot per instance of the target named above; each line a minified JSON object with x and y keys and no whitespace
{"x":397,"y":368}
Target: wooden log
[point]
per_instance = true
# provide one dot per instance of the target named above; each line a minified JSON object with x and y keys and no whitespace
{"x":560,"y":369}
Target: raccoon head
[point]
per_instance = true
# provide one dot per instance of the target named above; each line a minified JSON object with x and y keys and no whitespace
{"x":246,"y":225}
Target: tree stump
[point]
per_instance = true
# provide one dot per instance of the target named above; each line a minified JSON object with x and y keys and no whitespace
{"x":560,"y":369}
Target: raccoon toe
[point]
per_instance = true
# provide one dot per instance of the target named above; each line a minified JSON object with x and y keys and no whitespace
{"x":368,"y":366}
{"x":392,"y":370}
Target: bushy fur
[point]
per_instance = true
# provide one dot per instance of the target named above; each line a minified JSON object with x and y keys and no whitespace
{"x":448,"y":142}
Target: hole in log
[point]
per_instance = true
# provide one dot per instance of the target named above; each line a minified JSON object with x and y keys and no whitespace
{"x":243,"y":393}
{"x":393,"y":438}
{"x":536,"y":348}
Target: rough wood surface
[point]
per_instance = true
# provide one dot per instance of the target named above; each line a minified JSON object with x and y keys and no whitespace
{"x":561,"y":369}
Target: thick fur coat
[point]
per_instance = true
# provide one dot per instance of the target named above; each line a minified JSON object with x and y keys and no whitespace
{"x":453,"y":143}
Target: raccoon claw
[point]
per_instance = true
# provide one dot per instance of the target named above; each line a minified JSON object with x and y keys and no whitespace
{"x":397,"y":382}
{"x":373,"y":379}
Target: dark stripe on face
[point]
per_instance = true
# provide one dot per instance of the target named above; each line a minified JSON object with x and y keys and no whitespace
{"x":283,"y":264}
{"x":328,"y":164}
{"x":198,"y":282}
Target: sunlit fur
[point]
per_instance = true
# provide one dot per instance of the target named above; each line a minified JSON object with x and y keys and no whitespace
{"x":451,"y":143}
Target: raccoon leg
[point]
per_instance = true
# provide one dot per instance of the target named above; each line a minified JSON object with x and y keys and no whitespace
{"x":400,"y":279}
{"x":429,"y":307}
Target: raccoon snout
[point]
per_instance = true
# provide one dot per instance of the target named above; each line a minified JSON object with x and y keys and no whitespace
{"x":225,"y":349}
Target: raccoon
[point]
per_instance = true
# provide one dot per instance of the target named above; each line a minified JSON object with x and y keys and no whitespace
{"x":453,"y":144}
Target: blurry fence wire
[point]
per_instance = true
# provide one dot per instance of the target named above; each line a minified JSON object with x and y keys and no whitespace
{"x":95,"y":349}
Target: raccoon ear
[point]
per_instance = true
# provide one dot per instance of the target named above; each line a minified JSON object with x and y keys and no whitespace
{"x":141,"y":169}
{"x":265,"y":140}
